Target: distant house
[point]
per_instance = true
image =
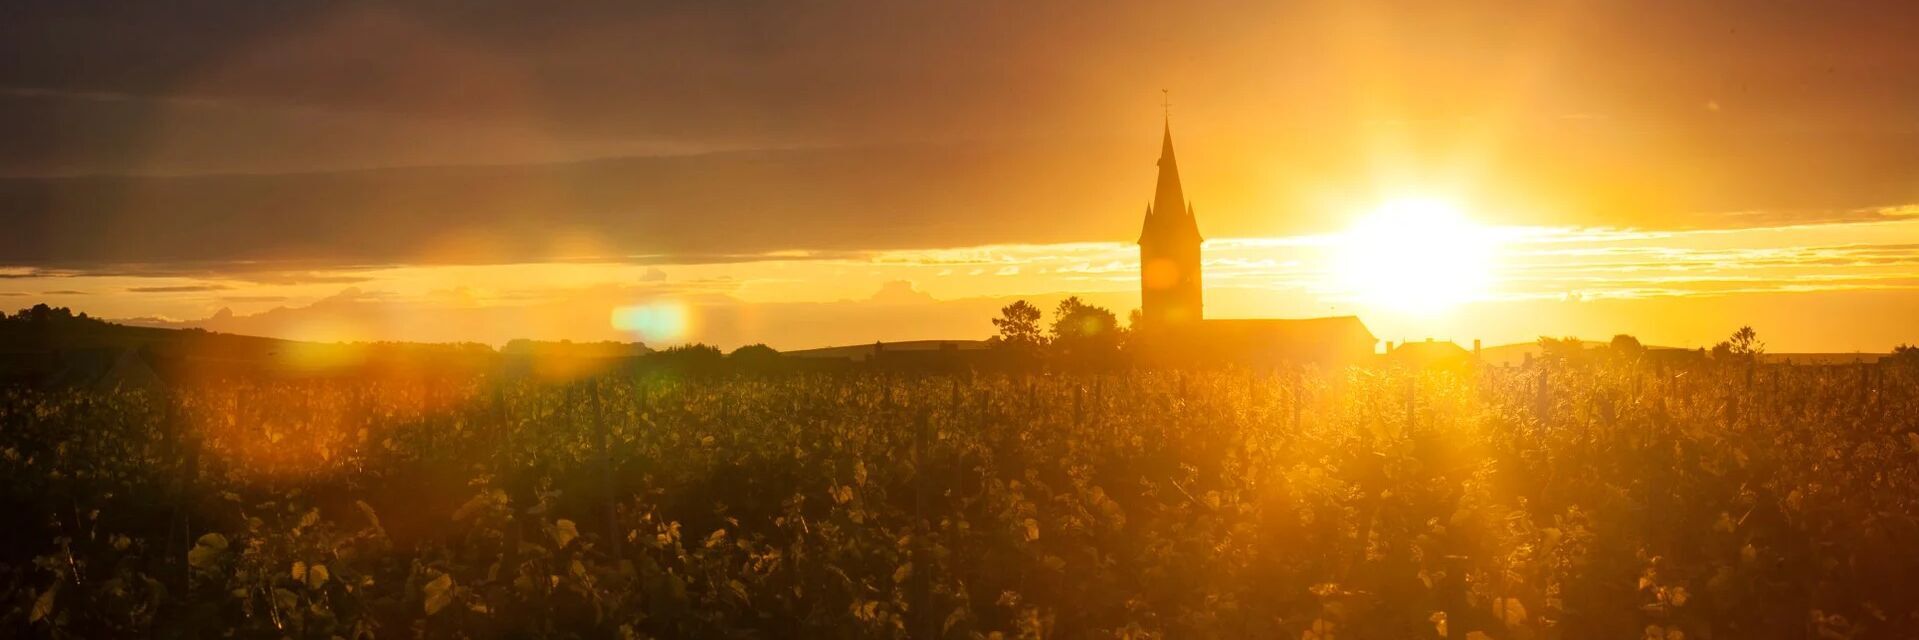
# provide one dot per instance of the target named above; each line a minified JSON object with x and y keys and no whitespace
{"x":1428,"y":354}
{"x":1173,"y":323}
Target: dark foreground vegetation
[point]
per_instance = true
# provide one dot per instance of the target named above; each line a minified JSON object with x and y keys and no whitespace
{"x":1602,"y":499}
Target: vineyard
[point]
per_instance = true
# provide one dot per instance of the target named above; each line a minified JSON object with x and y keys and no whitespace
{"x":1583,"y":500}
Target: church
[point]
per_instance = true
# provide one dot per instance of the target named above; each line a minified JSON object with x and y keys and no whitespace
{"x":1173,"y":323}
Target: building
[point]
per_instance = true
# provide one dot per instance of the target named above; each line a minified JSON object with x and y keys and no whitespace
{"x":1431,"y":354}
{"x":1173,"y":323}
{"x":1170,"y":278}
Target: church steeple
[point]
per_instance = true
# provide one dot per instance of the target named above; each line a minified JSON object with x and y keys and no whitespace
{"x":1169,"y":241}
{"x":1170,"y":217}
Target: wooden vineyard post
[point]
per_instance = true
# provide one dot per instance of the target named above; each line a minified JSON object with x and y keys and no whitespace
{"x":1079,"y":404}
{"x":1032,"y":398}
{"x":1864,"y":383}
{"x":1412,"y":402}
{"x":180,"y":531}
{"x":920,"y":581}
{"x":606,"y":469}
{"x":1098,"y":391}
{"x":1298,"y":399}
{"x":508,"y":475}
{"x":1543,"y":405}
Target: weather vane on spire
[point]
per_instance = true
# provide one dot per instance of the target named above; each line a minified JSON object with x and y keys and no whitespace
{"x":1166,"y":103}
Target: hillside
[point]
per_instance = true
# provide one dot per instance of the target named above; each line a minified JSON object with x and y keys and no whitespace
{"x":860,"y":352}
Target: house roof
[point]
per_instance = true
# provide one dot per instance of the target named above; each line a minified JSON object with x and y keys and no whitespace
{"x":1430,"y":350}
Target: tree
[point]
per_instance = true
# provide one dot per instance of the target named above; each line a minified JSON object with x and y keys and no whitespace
{"x":1018,"y":325}
{"x":1625,"y":348}
{"x":1743,"y":345}
{"x":1082,"y":331}
{"x":758,"y":357}
{"x":1906,"y":354}
{"x":1564,"y":350}
{"x":688,"y":358}
{"x":1746,"y":342}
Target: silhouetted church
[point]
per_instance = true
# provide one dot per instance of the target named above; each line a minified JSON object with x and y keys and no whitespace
{"x":1173,"y":324}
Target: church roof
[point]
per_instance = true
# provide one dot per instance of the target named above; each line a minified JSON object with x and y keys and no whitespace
{"x":1169,"y":219}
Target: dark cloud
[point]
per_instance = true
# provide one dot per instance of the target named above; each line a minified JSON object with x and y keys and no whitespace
{"x":247,"y":86}
{"x":720,"y":208}
{"x":185,"y":288}
{"x":746,"y":127}
{"x":714,"y":208}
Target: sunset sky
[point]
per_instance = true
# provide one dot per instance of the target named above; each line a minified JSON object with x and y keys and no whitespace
{"x":806,"y":174}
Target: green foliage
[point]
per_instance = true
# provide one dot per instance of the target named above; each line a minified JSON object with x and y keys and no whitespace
{"x":1606,"y":501}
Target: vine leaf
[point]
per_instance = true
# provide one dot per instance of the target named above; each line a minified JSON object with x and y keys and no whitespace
{"x":317,"y":576}
{"x":564,"y":531}
{"x":1510,"y":611}
{"x":207,"y":551}
{"x":439,"y":593}
{"x":43,"y":605}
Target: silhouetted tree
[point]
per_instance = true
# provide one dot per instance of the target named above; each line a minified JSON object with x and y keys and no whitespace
{"x":43,"y":315}
{"x":1744,"y":345}
{"x":688,"y":358}
{"x":1085,"y":333}
{"x":1625,"y":348}
{"x":1018,"y":325}
{"x":1905,"y":354}
{"x":755,"y":357}
{"x":1562,"y":350}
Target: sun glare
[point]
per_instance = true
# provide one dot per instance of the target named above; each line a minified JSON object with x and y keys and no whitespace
{"x":1415,"y":255}
{"x":653,"y":322}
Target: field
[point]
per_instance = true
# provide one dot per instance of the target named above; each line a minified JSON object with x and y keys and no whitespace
{"x":1580,"y":500}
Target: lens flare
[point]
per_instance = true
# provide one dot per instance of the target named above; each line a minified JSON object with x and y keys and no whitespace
{"x":655,"y":321}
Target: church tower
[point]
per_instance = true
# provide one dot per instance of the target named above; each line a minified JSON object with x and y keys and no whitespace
{"x":1169,"y":271}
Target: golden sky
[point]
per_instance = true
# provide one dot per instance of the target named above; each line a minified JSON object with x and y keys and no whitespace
{"x":1683,"y":288}
{"x":804,"y":175}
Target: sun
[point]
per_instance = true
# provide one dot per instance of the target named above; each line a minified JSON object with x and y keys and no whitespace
{"x":1415,"y":255}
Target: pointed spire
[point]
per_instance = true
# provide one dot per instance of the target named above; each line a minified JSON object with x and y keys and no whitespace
{"x":1168,"y":195}
{"x":1175,"y":220}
